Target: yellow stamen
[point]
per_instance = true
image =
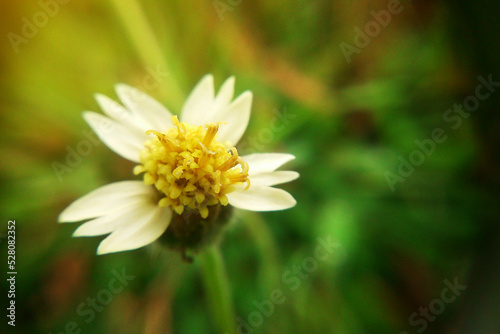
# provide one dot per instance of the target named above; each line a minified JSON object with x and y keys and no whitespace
{"x":190,"y":168}
{"x":210,"y":135}
{"x":167,"y":142}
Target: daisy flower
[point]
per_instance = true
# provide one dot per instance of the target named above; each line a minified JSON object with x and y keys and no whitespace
{"x":190,"y":166}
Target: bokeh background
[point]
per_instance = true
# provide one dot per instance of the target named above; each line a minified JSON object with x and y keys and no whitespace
{"x":347,"y":122}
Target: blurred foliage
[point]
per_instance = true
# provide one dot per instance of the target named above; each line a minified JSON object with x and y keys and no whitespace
{"x":346,"y":122}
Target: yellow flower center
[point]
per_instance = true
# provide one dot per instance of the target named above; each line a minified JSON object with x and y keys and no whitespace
{"x":189,"y":168}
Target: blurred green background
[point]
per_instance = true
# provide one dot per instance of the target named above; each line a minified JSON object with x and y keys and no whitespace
{"x":349,"y":123}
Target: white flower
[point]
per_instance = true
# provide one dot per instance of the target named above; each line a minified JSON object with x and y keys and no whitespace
{"x":188,"y":164}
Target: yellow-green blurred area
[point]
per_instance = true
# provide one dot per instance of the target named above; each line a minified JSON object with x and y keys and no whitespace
{"x":403,"y":232}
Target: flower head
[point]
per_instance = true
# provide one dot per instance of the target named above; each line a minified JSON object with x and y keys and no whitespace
{"x":191,"y":169}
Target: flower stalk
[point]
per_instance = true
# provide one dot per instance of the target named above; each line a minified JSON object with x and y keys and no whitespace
{"x":218,"y":290}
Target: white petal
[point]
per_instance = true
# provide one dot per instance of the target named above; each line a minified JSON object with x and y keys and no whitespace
{"x":117,"y":137}
{"x":106,"y":200}
{"x":145,"y":226}
{"x":116,"y":111}
{"x":221,"y":103}
{"x":102,"y":225}
{"x":266,"y":162}
{"x":134,"y":221}
{"x":237,"y":117}
{"x":199,"y":101}
{"x":261,"y":198}
{"x":272,"y":178}
{"x":111,"y":221}
{"x":154,"y":114}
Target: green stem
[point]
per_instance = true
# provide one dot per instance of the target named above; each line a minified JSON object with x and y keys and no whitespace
{"x":146,"y":43}
{"x":218,"y":290}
